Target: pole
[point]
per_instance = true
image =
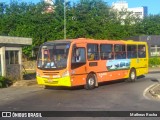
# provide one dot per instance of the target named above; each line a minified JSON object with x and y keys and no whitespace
{"x":64,"y":19}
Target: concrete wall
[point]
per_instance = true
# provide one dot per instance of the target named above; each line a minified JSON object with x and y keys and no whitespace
{"x":5,"y":40}
{"x":13,"y":72}
{"x":29,"y":65}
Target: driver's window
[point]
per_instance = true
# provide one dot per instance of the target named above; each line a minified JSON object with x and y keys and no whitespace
{"x":78,"y":55}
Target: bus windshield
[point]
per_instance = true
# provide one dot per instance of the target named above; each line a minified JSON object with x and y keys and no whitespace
{"x":53,"y":56}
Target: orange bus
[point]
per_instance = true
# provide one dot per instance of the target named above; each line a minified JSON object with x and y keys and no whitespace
{"x":88,"y":62}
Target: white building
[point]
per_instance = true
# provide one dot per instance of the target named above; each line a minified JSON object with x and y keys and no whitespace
{"x":49,"y":8}
{"x":122,"y":4}
{"x":49,"y":2}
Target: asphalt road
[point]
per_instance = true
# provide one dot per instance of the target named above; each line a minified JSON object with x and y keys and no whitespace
{"x":111,"y":96}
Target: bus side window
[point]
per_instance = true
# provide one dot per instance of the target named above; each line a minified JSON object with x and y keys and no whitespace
{"x":78,"y":55}
{"x":120,"y":51}
{"x":118,"y":55}
{"x":106,"y":51}
{"x":131,"y":51}
{"x":141,"y":51}
{"x":92,"y":52}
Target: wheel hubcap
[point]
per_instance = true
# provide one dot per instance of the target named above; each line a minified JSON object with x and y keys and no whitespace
{"x":91,"y":81}
{"x":133,"y":75}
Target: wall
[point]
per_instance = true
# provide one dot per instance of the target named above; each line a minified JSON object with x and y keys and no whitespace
{"x":29,"y":65}
{"x":13,"y":72}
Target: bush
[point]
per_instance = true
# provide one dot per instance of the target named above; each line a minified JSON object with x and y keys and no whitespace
{"x":155,"y":61}
{"x":4,"y":82}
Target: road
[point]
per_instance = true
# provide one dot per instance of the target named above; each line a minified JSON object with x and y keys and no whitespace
{"x":112,"y":96}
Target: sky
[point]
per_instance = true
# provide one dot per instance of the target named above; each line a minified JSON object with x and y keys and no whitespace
{"x":153,"y":5}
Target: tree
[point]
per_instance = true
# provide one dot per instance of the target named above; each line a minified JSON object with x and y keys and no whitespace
{"x":149,"y":25}
{"x":87,"y":18}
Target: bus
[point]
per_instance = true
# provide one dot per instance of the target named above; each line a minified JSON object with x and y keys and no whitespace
{"x":89,"y":62}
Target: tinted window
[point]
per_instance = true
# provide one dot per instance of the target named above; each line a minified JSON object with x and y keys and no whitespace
{"x":141,"y":51}
{"x":120,"y":52}
{"x":131,"y":51}
{"x":92,"y":52}
{"x":106,"y":51}
{"x":78,"y":55}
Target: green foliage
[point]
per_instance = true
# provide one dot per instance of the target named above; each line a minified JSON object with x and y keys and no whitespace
{"x":87,"y":18}
{"x":154,"y":61}
{"x":149,"y":25}
{"x":2,"y":82}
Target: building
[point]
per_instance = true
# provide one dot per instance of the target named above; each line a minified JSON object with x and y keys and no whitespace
{"x":120,"y":5}
{"x":49,"y":6}
{"x":153,"y":43}
{"x":11,"y":56}
{"x":49,"y":2}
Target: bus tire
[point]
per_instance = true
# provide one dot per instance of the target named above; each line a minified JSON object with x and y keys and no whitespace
{"x":132,"y":75}
{"x":90,"y":82}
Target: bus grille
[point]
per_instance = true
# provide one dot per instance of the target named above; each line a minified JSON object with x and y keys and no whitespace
{"x":50,"y":73}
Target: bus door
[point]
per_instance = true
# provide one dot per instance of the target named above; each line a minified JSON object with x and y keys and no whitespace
{"x":78,"y":64}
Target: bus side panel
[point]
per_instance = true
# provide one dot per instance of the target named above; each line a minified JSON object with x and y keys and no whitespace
{"x":113,"y":75}
{"x":77,"y":80}
{"x":107,"y":70}
{"x":141,"y":65}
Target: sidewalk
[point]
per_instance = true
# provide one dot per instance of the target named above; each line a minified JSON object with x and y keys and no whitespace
{"x":154,"y":69}
{"x":154,"y":91}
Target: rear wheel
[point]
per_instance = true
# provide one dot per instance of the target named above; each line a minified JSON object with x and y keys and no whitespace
{"x":132,"y":75}
{"x":90,"y":82}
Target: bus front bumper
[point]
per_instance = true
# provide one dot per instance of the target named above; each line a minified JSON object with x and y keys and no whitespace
{"x":64,"y":81}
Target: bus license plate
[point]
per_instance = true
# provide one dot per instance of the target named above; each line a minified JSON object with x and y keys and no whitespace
{"x":50,"y":80}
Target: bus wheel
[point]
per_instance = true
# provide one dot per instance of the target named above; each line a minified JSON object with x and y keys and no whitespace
{"x":132,"y":75}
{"x":90,"y":82}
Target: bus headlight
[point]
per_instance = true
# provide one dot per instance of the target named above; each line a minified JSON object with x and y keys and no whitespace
{"x":66,"y":73}
{"x":37,"y":74}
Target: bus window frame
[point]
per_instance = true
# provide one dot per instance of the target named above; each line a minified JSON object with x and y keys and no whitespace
{"x":141,"y":55}
{"x":132,"y":52}
{"x":107,"y":52}
{"x":92,"y":53}
{"x":122,"y":54}
{"x":74,"y":55}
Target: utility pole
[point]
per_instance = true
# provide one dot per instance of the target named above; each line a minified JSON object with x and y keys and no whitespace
{"x":64,"y":19}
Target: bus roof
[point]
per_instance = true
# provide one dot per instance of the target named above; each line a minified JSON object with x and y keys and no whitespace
{"x":87,"y":40}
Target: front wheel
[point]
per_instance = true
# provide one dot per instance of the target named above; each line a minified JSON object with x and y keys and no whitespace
{"x":90,"y":82}
{"x":132,"y":75}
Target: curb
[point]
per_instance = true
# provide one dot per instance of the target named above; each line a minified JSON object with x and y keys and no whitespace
{"x":152,"y":91}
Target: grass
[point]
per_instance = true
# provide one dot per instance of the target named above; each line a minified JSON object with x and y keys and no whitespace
{"x":4,"y":82}
{"x":154,"y":62}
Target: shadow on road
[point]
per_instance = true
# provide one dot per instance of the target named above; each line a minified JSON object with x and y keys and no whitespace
{"x":100,"y":84}
{"x":29,"y":76}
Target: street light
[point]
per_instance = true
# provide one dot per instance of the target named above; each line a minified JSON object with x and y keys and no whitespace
{"x":64,"y":19}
